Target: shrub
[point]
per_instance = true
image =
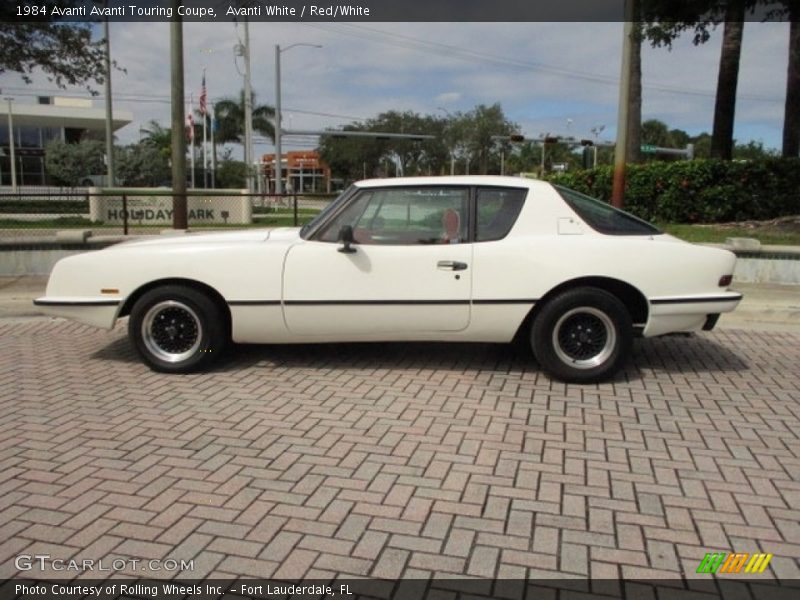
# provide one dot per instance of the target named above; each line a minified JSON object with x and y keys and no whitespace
{"x":699,"y":191}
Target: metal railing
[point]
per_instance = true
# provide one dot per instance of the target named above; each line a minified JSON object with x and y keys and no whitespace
{"x":149,"y":211}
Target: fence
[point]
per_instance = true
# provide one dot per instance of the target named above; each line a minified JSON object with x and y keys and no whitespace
{"x":145,"y":212}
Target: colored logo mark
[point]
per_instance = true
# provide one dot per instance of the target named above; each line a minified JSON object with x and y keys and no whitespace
{"x":742,"y":562}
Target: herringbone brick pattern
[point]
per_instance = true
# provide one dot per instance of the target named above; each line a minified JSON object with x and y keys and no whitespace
{"x":392,"y":460}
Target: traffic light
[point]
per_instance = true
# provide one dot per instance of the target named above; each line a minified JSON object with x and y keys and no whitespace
{"x":516,"y":137}
{"x":550,"y":140}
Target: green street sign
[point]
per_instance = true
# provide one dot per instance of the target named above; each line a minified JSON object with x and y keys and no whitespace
{"x":648,"y":149}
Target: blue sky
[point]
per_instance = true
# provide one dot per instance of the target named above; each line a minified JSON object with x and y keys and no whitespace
{"x":559,"y":78}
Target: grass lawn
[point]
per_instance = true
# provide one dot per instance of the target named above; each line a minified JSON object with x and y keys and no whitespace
{"x":767,"y":233}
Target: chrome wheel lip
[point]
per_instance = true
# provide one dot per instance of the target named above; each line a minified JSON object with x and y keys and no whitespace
{"x":599,"y":357}
{"x":149,"y":335}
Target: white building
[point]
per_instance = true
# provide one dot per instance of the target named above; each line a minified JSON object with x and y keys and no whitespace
{"x":47,"y":118}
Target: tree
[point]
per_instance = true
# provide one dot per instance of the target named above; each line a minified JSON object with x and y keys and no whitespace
{"x":64,"y":51}
{"x":232,"y":174}
{"x":142,"y":164}
{"x":229,"y":113}
{"x":727,"y":81}
{"x":69,"y":164}
{"x":524,"y":158}
{"x":357,"y":157}
{"x":656,"y":133}
{"x":468,"y":137}
{"x":483,"y":123}
{"x":159,"y":137}
{"x":634,"y":141}
{"x":666,"y":20}
{"x":753,"y":150}
{"x":791,"y":111}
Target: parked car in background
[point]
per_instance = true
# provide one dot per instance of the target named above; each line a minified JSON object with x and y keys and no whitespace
{"x":461,"y":259}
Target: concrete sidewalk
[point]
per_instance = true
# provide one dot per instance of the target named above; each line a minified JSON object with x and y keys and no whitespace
{"x":765,"y":307}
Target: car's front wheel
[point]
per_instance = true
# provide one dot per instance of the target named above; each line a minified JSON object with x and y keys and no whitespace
{"x":177,"y":329}
{"x":583,"y":335}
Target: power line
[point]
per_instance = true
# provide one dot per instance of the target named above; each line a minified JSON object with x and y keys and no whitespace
{"x":155,"y":99}
{"x":422,"y":45}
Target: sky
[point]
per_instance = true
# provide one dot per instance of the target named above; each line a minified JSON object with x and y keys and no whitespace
{"x":557,"y":78}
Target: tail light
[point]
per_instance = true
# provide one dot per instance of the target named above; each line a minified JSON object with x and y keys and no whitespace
{"x":725,"y":280}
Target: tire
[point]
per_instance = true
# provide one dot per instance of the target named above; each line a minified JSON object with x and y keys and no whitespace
{"x":583,"y":335}
{"x":177,"y":329}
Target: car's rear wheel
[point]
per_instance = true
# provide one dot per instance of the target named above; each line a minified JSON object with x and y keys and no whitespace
{"x":177,"y":329}
{"x":583,"y":335}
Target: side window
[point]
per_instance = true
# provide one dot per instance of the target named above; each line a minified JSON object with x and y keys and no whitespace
{"x":498,"y":209}
{"x":405,"y":216}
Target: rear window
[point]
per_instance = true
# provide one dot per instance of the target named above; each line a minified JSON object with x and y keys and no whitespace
{"x":603,"y":217}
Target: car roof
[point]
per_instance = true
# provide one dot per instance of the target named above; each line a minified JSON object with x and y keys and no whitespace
{"x":487,"y":180}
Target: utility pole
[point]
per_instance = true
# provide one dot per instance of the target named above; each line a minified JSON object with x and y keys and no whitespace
{"x":278,"y":125}
{"x":248,"y":109}
{"x":618,"y":189}
{"x":179,"y":220}
{"x":12,"y":152}
{"x":109,"y":107}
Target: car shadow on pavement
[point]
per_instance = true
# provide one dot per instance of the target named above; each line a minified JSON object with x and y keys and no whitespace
{"x":120,"y":350}
{"x":669,"y":354}
{"x":684,"y":354}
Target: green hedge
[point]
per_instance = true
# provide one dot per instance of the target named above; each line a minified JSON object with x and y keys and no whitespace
{"x":44,"y":206}
{"x":699,"y":191}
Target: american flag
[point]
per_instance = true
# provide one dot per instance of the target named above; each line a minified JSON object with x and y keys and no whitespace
{"x":203,"y":96}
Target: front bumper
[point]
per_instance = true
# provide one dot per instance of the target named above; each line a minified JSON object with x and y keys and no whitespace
{"x":98,"y":312}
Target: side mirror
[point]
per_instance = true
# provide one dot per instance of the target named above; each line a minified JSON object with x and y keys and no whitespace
{"x":346,"y":238}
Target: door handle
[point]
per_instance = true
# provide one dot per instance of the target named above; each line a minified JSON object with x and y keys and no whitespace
{"x":451,"y":265}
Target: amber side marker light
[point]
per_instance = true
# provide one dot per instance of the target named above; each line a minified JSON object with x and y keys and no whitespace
{"x":725,"y":280}
{"x":109,"y":291}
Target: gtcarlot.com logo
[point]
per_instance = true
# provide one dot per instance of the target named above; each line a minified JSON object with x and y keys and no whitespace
{"x":734,"y":564}
{"x":44,"y":562}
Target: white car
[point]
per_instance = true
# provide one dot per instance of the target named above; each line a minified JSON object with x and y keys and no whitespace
{"x":462,"y":259}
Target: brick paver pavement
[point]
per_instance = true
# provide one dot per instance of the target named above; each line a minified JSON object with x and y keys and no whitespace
{"x":394,"y":460}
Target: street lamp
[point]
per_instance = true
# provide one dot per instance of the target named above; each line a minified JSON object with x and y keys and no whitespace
{"x":596,"y":130}
{"x":278,"y":125}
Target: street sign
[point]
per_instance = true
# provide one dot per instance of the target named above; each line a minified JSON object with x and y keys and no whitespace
{"x":648,"y":148}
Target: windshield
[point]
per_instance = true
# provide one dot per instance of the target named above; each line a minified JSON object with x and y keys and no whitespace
{"x":603,"y":217}
{"x":323,"y":214}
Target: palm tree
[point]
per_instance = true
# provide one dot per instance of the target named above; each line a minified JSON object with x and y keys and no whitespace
{"x":791,"y":122}
{"x":229,"y":113}
{"x":664,"y":24}
{"x":158,"y":136}
{"x":725,"y":105}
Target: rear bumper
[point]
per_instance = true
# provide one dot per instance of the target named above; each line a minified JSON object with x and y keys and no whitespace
{"x":688,"y":313}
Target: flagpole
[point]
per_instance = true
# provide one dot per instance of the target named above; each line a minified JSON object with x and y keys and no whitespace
{"x":213,"y":151}
{"x":191,"y":134}
{"x":205,"y":135}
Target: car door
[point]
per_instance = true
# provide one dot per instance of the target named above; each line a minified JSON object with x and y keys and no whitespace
{"x":409,"y":271}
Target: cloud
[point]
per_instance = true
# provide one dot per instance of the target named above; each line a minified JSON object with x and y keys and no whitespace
{"x":448,"y":97}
